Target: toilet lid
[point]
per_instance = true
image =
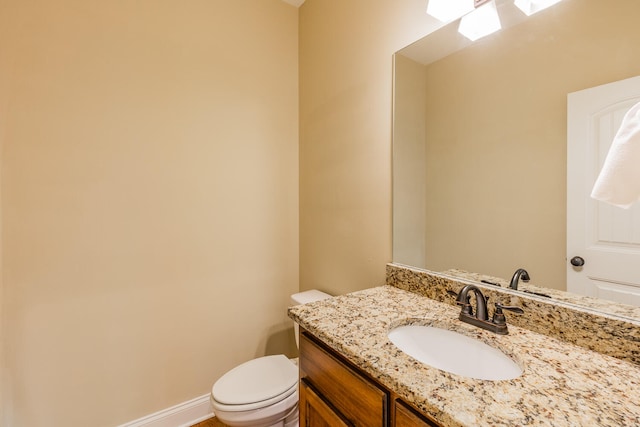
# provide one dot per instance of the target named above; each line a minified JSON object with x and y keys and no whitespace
{"x":256,"y":380}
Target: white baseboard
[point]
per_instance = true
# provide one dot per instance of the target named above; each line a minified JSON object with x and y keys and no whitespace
{"x":182,"y":415}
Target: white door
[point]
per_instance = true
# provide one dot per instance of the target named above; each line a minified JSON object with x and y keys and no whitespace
{"x":604,"y":237}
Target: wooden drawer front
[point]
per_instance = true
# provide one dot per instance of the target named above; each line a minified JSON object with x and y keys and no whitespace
{"x":407,"y":417}
{"x":315,"y":412}
{"x":357,"y":399}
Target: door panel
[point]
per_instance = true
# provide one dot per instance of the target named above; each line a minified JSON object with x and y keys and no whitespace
{"x":606,"y":237}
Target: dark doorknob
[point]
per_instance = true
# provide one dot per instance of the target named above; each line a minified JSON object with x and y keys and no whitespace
{"x":577,"y":261}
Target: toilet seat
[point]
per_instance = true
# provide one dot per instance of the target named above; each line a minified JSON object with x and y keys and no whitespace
{"x":255,"y":384}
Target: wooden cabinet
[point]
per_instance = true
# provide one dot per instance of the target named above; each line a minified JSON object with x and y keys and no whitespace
{"x":354,"y":397}
{"x":334,"y":392}
{"x":317,"y":412}
{"x":407,"y":417}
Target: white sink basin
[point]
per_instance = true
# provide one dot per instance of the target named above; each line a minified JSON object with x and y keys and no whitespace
{"x":454,"y":353}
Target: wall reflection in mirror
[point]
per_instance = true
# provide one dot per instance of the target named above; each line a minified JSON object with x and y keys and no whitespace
{"x":480,"y":136}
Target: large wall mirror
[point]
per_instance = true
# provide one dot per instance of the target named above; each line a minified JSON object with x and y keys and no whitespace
{"x":480,"y":136}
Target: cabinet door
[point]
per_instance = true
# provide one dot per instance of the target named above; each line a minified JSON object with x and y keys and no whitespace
{"x":407,"y":417}
{"x":355,"y":397}
{"x":315,"y":412}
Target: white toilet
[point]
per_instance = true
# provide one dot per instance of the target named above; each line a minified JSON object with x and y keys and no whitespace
{"x":262,"y":392}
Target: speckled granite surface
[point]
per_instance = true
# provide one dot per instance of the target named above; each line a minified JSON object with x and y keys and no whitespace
{"x":562,"y":384}
{"x":614,"y":334}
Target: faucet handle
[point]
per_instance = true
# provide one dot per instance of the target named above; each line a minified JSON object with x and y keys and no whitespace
{"x":515,"y":309}
{"x":498,"y":315}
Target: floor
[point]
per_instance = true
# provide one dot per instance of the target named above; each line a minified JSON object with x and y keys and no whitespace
{"x":211,"y":422}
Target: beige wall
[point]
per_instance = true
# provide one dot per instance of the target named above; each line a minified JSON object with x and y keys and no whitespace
{"x":150,"y":200}
{"x":4,"y":91}
{"x":409,"y":166}
{"x":346,"y":50}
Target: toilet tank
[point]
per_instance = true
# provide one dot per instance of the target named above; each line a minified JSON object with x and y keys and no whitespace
{"x":303,"y":298}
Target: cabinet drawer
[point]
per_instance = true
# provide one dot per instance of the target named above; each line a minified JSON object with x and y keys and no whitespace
{"x":359,"y":400}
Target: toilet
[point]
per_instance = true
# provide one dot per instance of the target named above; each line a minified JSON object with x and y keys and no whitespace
{"x":262,"y":392}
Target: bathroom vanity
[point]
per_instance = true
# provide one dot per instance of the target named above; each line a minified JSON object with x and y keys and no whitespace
{"x":334,"y":391}
{"x":352,"y":374}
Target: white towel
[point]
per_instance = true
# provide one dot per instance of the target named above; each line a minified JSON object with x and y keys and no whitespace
{"x":619,"y":179}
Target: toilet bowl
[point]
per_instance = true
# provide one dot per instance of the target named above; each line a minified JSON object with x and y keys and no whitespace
{"x":262,"y":392}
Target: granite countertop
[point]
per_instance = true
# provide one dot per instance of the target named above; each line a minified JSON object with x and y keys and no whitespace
{"x":562,"y":384}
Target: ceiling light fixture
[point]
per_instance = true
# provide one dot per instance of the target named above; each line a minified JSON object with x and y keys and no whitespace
{"x":483,"y":21}
{"x":480,"y":18}
{"x":448,"y":10}
{"x":529,"y":7}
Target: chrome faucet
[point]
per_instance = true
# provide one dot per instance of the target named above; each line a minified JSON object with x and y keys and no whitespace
{"x":497,"y":324}
{"x":520,"y":274}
